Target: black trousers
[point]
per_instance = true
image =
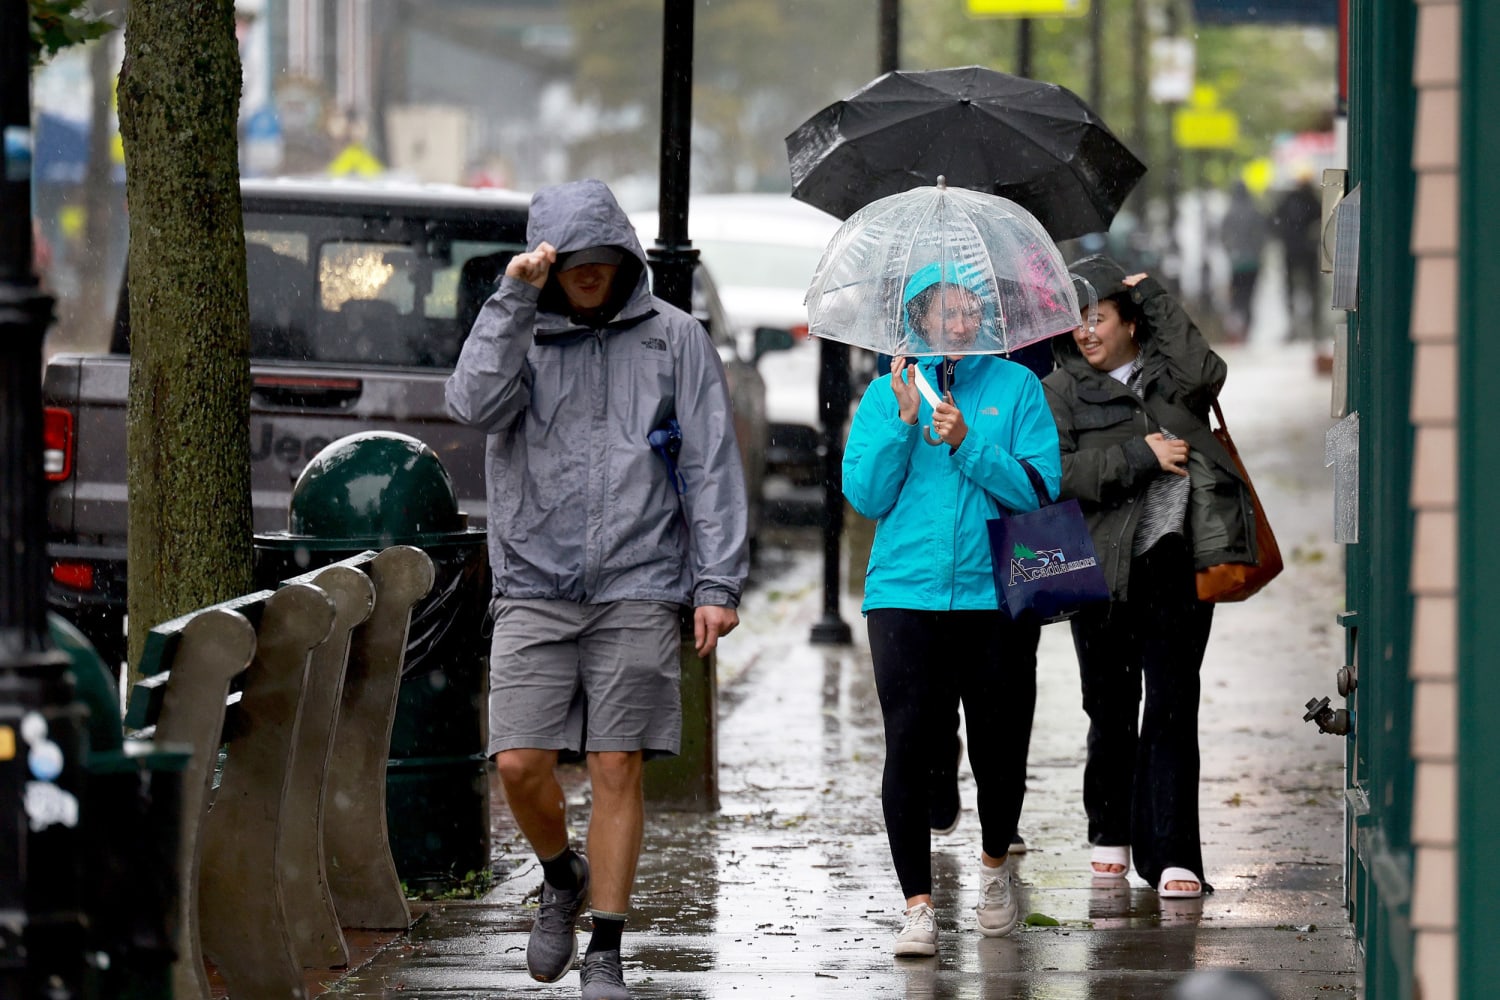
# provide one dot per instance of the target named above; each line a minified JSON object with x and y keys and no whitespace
{"x":926,"y":663}
{"x":1140,"y":785}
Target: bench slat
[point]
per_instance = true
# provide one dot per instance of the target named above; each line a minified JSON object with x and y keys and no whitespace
{"x":210,"y":649}
{"x":361,"y":871}
{"x":311,"y":917}
{"x":240,"y":907}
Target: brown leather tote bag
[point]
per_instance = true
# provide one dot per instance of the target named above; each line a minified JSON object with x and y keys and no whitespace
{"x":1228,"y":582}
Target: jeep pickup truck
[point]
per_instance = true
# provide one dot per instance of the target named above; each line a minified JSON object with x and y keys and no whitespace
{"x":360,"y":298}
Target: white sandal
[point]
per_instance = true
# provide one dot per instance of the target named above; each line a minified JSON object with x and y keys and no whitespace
{"x":1107,"y":854}
{"x":1178,"y":875}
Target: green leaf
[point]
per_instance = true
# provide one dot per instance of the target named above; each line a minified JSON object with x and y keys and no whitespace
{"x":1040,"y":920}
{"x":60,"y":24}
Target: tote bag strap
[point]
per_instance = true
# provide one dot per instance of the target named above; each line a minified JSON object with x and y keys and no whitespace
{"x":1038,"y":484}
{"x":1219,"y":416}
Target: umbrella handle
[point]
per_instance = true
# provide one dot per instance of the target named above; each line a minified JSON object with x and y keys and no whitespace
{"x":927,"y":435}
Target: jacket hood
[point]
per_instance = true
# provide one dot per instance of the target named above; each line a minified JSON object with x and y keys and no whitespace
{"x":1103,"y":274}
{"x":1106,"y":277}
{"x":581,"y":214}
{"x":947,"y":273}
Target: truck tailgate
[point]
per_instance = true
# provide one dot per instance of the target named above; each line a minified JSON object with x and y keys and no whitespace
{"x":89,"y":506}
{"x":296,"y":411}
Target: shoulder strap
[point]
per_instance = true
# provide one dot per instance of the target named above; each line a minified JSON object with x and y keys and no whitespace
{"x":1219,"y":415}
{"x":1037,"y":483}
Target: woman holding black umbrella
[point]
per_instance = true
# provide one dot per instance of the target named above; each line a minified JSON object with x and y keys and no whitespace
{"x":930,"y":476}
{"x":1131,"y":397}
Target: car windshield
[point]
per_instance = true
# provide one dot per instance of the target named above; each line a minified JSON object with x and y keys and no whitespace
{"x":366,"y":301}
{"x":763,"y":265}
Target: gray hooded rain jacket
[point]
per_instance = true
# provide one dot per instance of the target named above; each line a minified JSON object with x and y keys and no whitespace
{"x":580,"y":506}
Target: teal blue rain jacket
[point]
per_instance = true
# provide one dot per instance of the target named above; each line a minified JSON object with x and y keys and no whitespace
{"x":930,"y":503}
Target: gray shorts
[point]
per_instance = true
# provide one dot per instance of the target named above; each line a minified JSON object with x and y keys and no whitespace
{"x":558,"y":666}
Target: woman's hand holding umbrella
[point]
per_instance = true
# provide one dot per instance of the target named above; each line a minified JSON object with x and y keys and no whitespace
{"x":948,"y":422}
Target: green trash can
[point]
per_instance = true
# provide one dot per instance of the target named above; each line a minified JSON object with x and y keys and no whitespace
{"x":370,"y":491}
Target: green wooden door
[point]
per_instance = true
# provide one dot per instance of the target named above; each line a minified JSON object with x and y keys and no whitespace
{"x":1381,"y":120}
{"x":1478,"y":484}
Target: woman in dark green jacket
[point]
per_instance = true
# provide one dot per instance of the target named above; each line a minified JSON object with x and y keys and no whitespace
{"x":1162,"y":498}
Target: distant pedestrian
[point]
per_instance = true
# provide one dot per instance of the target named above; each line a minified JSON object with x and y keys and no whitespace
{"x":1297,"y":225}
{"x":930,"y":478}
{"x":597,"y":540}
{"x":1242,"y":231}
{"x":1131,"y":397}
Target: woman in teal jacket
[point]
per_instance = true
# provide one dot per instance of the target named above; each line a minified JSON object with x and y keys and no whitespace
{"x":931,"y":478}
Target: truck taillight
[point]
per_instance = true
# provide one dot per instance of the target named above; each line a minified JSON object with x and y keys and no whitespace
{"x":57,"y":444}
{"x":77,"y":575}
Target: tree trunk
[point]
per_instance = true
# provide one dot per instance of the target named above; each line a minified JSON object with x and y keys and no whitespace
{"x":188,"y":413}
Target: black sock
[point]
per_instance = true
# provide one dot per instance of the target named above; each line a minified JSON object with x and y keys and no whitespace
{"x":560,"y":870}
{"x":607,"y":930}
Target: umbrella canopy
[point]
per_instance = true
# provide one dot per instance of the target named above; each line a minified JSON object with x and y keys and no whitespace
{"x":1035,"y":143}
{"x":941,"y":271}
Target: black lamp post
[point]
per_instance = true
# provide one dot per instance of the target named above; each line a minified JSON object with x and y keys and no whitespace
{"x":673,"y":257}
{"x":689,"y":781}
{"x":834,"y":396}
{"x":41,"y":725}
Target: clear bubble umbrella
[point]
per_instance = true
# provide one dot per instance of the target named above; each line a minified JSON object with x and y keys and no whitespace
{"x":941,"y":271}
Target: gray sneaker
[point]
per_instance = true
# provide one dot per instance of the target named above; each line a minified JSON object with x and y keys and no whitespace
{"x":997,"y":911}
{"x":917,"y":937}
{"x":602,"y":977}
{"x":553,"y":946}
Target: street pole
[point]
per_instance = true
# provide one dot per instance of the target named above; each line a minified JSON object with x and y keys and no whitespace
{"x":674,"y":257}
{"x":41,"y":724}
{"x":834,"y":396}
{"x":833,"y":403}
{"x":689,"y":781}
{"x":890,"y":35}
{"x":1172,"y":182}
{"x":1139,"y":141}
{"x":1096,"y":55}
{"x":1023,"y":47}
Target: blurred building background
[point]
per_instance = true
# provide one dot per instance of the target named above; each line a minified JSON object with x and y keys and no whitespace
{"x":521,"y":93}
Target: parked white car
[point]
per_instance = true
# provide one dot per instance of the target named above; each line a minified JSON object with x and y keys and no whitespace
{"x":762,"y":250}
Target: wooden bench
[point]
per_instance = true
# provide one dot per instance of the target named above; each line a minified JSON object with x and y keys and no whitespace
{"x":298,"y":685}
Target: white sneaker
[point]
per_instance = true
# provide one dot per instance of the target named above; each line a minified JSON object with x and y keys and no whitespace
{"x":918,"y":935}
{"x":997,"y":910}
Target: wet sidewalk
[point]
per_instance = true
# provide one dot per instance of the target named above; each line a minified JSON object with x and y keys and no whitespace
{"x":788,"y":890}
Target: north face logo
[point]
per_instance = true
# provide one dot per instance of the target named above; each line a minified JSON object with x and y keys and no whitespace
{"x":655,"y":343}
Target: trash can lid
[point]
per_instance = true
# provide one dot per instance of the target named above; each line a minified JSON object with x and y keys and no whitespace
{"x":377,"y":484}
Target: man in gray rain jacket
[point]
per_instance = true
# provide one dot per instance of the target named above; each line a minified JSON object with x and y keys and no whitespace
{"x":597,"y":539}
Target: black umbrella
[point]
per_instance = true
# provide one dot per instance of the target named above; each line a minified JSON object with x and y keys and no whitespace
{"x":1036,"y":143}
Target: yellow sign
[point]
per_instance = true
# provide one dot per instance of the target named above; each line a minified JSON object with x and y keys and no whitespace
{"x":1028,"y":8}
{"x":356,"y":159}
{"x":7,"y":743}
{"x":1193,"y":128}
{"x":1258,"y":174}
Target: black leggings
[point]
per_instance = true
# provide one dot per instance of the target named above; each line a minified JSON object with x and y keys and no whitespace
{"x":926,"y":662}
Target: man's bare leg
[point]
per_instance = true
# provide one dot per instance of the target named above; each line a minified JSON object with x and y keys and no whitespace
{"x":535,"y":798}
{"x":616,"y":825}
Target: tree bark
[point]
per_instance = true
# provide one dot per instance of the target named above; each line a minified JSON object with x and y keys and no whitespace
{"x":188,"y":412}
